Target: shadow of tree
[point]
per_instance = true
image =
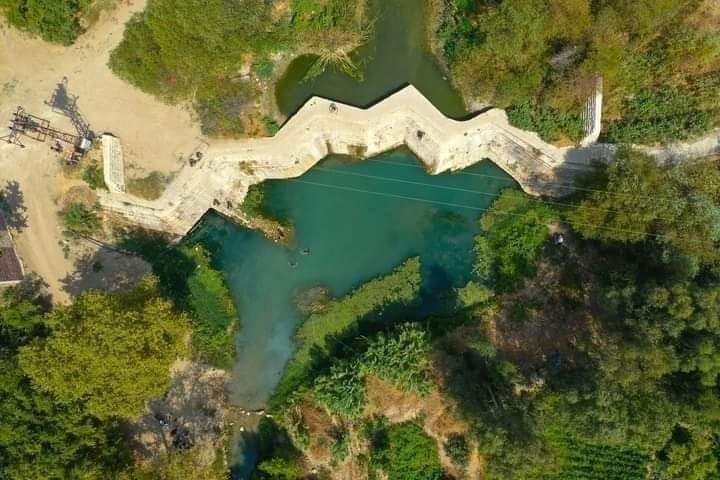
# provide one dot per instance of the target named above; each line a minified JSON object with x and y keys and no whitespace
{"x":105,"y":269}
{"x":12,"y":204}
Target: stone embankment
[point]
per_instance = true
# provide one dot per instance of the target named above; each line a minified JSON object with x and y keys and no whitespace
{"x":321,"y":127}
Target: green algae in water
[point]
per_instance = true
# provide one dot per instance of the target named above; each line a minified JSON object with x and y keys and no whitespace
{"x":395,"y":56}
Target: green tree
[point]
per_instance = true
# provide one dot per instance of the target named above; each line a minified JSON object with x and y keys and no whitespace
{"x":512,"y":234}
{"x":120,"y":345}
{"x":636,"y":200}
{"x":54,"y":20}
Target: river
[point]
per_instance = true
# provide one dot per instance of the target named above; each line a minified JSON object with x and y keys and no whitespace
{"x":354,"y":220}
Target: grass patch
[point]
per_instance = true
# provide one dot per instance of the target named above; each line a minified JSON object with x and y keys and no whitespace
{"x":404,"y":451}
{"x":149,"y":188}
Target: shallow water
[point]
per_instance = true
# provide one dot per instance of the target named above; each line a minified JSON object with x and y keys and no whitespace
{"x":358,"y":220}
{"x":397,"y":55}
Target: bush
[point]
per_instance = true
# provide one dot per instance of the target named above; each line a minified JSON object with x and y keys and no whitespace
{"x":79,"y":219}
{"x":456,"y":448}
{"x":93,"y":176}
{"x":408,"y":454}
{"x":401,"y":358}
{"x":513,"y":232}
{"x":340,"y":316}
{"x":342,"y":390}
{"x":660,"y":116}
{"x":56,"y":21}
{"x":549,"y":123}
{"x":215,"y":319}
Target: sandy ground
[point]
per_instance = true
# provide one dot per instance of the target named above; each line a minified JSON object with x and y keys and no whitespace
{"x":154,"y":135}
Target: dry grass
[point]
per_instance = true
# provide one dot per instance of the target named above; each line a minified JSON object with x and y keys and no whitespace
{"x":706,"y":17}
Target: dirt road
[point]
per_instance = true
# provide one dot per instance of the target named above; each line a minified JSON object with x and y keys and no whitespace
{"x":154,"y":135}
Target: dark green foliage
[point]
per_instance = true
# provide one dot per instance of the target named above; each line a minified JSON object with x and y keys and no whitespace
{"x":56,"y":21}
{"x":407,"y":453}
{"x":41,"y":437}
{"x":513,"y":233}
{"x":579,"y":459}
{"x":457,"y":449}
{"x":659,"y":61}
{"x":254,"y":203}
{"x":400,"y":357}
{"x":340,"y":317}
{"x":660,"y":116}
{"x":189,"y":279}
{"x":214,"y":317}
{"x":638,"y":201}
{"x":93,"y":176}
{"x":548,"y":122}
{"x":79,"y":219}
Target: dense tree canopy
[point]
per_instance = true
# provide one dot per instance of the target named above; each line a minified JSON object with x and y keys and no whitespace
{"x":120,"y":346}
{"x":659,"y":60}
{"x":54,"y":20}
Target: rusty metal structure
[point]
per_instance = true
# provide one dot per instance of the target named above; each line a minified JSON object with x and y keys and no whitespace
{"x":23,"y":124}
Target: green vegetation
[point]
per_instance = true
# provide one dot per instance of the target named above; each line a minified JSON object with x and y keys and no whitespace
{"x":79,"y":219}
{"x":188,"y":278}
{"x":599,"y":462}
{"x":121,"y":346}
{"x":598,"y":358}
{"x":58,"y":21}
{"x":71,"y":376}
{"x":513,"y":232}
{"x":194,"y":50}
{"x":659,"y":61}
{"x":456,"y":447}
{"x":340,"y":317}
{"x":149,"y":187}
{"x":400,"y":358}
{"x":93,"y":176}
{"x":214,"y":317}
{"x":407,"y":453}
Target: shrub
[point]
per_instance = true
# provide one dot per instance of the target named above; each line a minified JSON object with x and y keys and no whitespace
{"x":149,"y":188}
{"x":401,"y":358}
{"x":93,"y":176}
{"x":549,"y":123}
{"x":342,"y":390}
{"x":215,"y":319}
{"x":79,"y":219}
{"x":408,"y":454}
{"x":56,"y":21}
{"x":513,"y":232}
{"x":456,"y":448}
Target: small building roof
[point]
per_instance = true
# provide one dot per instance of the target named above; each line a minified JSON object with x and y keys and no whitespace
{"x":11,"y":268}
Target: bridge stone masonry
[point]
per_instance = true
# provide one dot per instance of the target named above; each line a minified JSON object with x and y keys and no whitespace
{"x":220,"y":180}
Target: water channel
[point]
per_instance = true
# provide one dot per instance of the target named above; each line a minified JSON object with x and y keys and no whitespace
{"x":354,"y":220}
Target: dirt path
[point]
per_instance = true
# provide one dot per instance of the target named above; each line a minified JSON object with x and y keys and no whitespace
{"x":154,"y":135}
